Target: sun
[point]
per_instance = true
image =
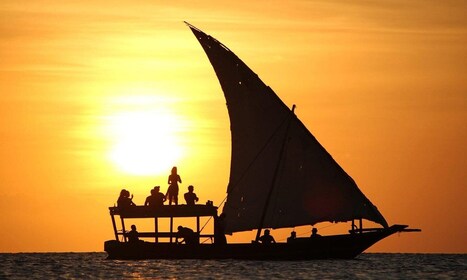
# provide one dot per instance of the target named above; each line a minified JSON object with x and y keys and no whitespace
{"x":145,"y":141}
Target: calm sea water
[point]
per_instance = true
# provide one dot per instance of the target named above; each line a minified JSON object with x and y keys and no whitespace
{"x":366,"y":266}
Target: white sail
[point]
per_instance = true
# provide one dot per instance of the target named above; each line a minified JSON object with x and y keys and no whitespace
{"x":274,"y":153}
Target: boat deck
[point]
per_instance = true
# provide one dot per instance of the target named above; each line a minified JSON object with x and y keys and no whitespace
{"x":165,"y":211}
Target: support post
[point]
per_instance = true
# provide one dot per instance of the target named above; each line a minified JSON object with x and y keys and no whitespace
{"x":123,"y":229}
{"x":197,"y":228}
{"x":361,"y":225}
{"x":156,"y":230}
{"x":114,"y":226}
{"x":171,"y":228}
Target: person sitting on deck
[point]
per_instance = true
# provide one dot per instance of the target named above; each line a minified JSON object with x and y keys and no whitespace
{"x":267,"y":238}
{"x":314,"y":233}
{"x":156,"y":199}
{"x":132,"y":235}
{"x":124,"y":200}
{"x":190,"y":196}
{"x":292,"y":237}
{"x":188,"y":235}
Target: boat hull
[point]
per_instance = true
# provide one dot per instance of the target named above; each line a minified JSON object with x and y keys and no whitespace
{"x":346,"y":246}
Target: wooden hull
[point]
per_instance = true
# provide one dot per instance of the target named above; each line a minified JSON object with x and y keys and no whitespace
{"x":326,"y":247}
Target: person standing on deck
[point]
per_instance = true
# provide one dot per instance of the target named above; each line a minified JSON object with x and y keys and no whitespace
{"x":172,"y":192}
{"x":190,"y":196}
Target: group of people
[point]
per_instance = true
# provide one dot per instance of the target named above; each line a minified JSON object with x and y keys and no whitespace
{"x":293,"y":235}
{"x":187,"y":236}
{"x":157,"y":198}
{"x":267,"y":238}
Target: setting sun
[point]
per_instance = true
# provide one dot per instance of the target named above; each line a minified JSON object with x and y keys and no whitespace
{"x":144,"y":141}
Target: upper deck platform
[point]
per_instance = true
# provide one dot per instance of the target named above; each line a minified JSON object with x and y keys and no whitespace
{"x":165,"y":211}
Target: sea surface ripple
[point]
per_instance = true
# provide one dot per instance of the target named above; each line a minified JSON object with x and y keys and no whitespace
{"x":366,"y":266}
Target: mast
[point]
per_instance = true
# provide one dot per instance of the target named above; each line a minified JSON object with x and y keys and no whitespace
{"x":276,"y":172}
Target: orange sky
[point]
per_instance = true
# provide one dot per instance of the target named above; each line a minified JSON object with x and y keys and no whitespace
{"x":88,"y":91}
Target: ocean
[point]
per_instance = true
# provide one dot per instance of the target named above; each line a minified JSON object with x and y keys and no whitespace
{"x":366,"y":266}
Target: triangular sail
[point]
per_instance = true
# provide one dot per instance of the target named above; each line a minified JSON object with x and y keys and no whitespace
{"x":310,"y":186}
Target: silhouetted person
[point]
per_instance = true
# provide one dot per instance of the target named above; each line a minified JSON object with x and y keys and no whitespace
{"x":132,"y":235}
{"x":151,"y":200}
{"x":292,"y":237}
{"x":124,"y":200}
{"x":188,"y":235}
{"x":172,"y":192}
{"x":156,"y":199}
{"x":219,"y":229}
{"x":267,"y":238}
{"x":314,"y":233}
{"x":190,"y":196}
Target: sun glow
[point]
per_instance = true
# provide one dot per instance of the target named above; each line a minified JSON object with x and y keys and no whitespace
{"x":145,"y":141}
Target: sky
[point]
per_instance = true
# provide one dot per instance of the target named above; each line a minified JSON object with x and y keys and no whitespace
{"x":96,"y":97}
